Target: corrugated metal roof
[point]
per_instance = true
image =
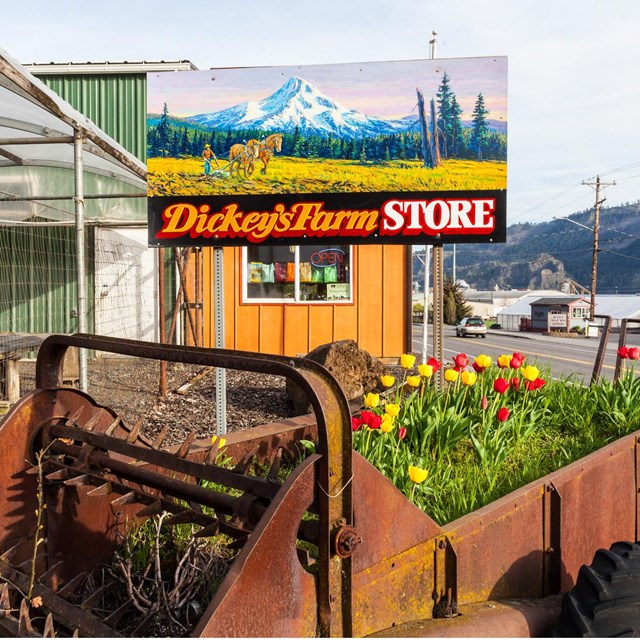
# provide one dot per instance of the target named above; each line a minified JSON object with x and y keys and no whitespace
{"x":618,"y":307}
{"x":31,"y":117}
{"x":553,"y":300}
{"x":70,"y":68}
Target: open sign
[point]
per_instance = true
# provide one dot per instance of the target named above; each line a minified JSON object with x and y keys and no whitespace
{"x":325,"y":257}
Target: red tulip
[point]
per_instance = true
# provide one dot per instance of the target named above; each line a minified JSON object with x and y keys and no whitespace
{"x":372,"y":420}
{"x":356,"y":423}
{"x":515,"y":383}
{"x":500,"y":385}
{"x":402,"y":433}
{"x":503,"y":414}
{"x":634,"y":353}
{"x":516,"y":360}
{"x":534,"y":385}
{"x":461,"y":361}
{"x":623,"y":352}
{"x":477,"y":368}
{"x":434,"y":363}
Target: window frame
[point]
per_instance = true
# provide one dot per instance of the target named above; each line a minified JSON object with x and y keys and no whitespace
{"x":244,"y":279}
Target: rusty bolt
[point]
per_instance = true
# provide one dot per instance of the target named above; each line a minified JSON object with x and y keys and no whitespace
{"x":550,"y":550}
{"x":346,"y":541}
{"x":442,"y":544}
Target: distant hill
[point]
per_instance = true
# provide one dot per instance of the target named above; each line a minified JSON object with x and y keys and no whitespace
{"x":546,"y":254}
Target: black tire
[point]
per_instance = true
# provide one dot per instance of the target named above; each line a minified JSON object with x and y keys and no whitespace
{"x":605,"y":601}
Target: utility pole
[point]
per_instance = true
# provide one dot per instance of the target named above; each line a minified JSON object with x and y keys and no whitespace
{"x":596,"y":232}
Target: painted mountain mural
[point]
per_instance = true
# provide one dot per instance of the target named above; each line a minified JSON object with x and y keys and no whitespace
{"x":299,"y":105}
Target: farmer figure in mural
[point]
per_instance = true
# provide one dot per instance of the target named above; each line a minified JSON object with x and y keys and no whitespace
{"x":207,"y":156}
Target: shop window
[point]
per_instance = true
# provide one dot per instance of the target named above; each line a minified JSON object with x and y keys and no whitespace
{"x":580,"y":312}
{"x":319,"y":273}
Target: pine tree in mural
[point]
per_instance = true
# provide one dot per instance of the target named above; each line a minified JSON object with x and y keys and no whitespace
{"x":445,"y":97}
{"x":480,"y":126}
{"x":163,"y":130}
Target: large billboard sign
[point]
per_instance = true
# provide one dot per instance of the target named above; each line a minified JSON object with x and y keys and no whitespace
{"x":407,"y":152}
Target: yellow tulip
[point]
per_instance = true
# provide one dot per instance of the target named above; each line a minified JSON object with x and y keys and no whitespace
{"x":392,"y":409}
{"x":220,"y":444}
{"x":413,"y":381}
{"x":468,"y":378}
{"x":386,"y":424}
{"x":387,"y":381}
{"x":372,"y":400}
{"x":530,"y":373}
{"x":483,"y":361}
{"x":504,"y":360}
{"x":407,"y":360}
{"x":425,"y":370}
{"x":417,"y":474}
{"x":450,"y":375}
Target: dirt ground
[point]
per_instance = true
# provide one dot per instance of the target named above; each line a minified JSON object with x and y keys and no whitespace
{"x":130,"y":386}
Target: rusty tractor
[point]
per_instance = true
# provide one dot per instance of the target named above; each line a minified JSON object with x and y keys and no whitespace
{"x":332,"y":550}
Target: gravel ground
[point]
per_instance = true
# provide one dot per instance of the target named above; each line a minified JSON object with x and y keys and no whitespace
{"x":130,"y":386}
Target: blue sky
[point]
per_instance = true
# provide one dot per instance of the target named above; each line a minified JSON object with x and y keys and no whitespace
{"x":573,"y":66}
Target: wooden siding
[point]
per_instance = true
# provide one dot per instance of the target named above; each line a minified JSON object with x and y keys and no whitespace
{"x":376,"y":320}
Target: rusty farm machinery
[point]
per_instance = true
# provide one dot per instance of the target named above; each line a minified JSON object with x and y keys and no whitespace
{"x":332,"y":549}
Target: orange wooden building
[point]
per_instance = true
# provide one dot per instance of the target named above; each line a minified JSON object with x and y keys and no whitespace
{"x":368,"y":300}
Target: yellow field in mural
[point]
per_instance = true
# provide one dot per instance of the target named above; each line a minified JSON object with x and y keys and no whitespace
{"x":184,"y":176}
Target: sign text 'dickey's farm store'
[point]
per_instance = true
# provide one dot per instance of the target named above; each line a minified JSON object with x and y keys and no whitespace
{"x":398,"y":152}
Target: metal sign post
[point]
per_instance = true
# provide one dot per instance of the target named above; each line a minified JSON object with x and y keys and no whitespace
{"x":221,"y":373}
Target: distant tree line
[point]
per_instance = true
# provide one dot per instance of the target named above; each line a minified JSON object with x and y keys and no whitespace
{"x":173,"y":138}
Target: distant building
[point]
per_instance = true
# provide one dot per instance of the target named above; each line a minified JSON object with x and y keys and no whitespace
{"x":557,"y":314}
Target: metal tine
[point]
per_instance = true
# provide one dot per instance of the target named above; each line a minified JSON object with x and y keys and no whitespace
{"x":138,"y":632}
{"x":5,"y":601}
{"x":93,"y":420}
{"x":242,"y":466}
{"x":115,"y":617}
{"x":45,"y":578}
{"x":6,"y":555}
{"x":182,"y":517}
{"x":238,"y":543}
{"x":96,"y":595}
{"x":275,"y":466}
{"x":208,"y":531}
{"x":69,"y":588}
{"x":34,"y":470}
{"x":76,"y":633}
{"x":25,"y":628}
{"x":103,"y":490}
{"x":113,"y":426}
{"x":72,"y":420}
{"x":153,"y":509}
{"x":127,"y":498}
{"x":212,"y":454}
{"x":185,"y":446}
{"x":157,"y":443}
{"x":25,"y":567}
{"x":135,"y":430}
{"x":60,"y":474}
{"x":48,"y":631}
{"x":78,"y":480}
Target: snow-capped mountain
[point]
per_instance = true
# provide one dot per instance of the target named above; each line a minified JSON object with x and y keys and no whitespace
{"x":300,"y":104}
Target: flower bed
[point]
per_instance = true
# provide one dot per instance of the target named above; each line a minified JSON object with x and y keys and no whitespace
{"x":493,"y":427}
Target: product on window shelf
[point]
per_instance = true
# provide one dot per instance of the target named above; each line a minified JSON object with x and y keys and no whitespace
{"x":331,"y":273}
{"x":255,"y":272}
{"x":268,"y":273}
{"x":305,"y":272}
{"x":291,"y":272}
{"x":280,"y":272}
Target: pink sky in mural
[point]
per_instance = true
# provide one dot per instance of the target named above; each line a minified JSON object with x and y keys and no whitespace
{"x":385,"y":89}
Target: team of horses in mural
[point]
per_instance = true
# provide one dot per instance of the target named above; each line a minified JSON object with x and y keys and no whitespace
{"x":242,"y":157}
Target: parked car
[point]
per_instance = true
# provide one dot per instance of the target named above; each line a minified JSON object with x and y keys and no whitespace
{"x":473,"y":326}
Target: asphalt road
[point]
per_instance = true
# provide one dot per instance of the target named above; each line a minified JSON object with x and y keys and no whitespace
{"x":563,"y":356}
